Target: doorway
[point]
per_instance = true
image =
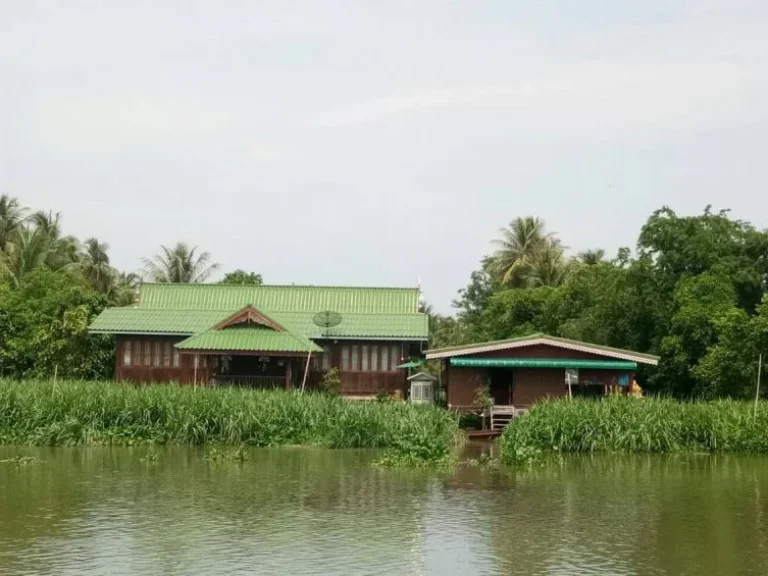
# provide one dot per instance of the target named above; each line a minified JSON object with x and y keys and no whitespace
{"x":501,"y":386}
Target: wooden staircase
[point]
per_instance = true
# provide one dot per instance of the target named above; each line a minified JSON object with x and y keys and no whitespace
{"x":501,"y":416}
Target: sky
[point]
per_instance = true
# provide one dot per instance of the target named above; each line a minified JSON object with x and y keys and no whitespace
{"x":379,"y":143}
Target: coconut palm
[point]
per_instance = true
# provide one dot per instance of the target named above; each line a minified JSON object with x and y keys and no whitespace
{"x":93,"y":264}
{"x":12,"y":215}
{"x":28,"y":250}
{"x":124,"y":289}
{"x":592,"y":257}
{"x":549,"y":268}
{"x":520,"y":245}
{"x":180,"y":263}
{"x":62,"y":250}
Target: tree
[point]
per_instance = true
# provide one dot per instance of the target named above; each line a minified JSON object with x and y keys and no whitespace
{"x":180,"y":264}
{"x":12,"y":214}
{"x":520,"y":245}
{"x":44,"y":329}
{"x":592,"y":257}
{"x":242,"y":277}
{"x":93,"y":264}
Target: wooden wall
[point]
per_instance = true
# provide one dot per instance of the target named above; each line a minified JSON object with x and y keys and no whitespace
{"x":528,"y":384}
{"x":359,"y":380}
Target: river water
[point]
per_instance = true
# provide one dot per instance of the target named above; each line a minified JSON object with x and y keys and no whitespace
{"x":305,"y":511}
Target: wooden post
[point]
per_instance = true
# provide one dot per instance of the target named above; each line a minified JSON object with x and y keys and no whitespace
{"x":759,"y":373}
{"x":289,"y":374}
{"x":196,"y":362}
{"x":306,"y":371}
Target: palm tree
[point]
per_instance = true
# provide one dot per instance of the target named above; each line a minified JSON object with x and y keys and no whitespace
{"x":62,"y":250}
{"x":93,"y":264}
{"x":550,"y":267}
{"x":124,"y":289}
{"x":28,"y":250}
{"x":520,"y":245}
{"x":181,"y":263}
{"x":592,"y":257}
{"x":12,"y":216}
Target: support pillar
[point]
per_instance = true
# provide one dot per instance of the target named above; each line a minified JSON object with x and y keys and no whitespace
{"x":289,"y":374}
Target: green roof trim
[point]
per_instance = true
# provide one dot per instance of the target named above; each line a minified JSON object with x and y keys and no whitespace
{"x":249,"y":338}
{"x":543,"y":363}
{"x":411,"y":364}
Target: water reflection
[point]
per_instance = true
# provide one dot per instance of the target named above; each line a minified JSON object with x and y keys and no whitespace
{"x":298,"y":511}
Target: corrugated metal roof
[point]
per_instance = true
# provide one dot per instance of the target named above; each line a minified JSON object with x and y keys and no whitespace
{"x":252,"y":338}
{"x":134,"y":320}
{"x":280,"y":298}
{"x":543,"y":339}
{"x":543,"y":363}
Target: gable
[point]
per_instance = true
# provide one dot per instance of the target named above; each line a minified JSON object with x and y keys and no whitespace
{"x":249,"y":315}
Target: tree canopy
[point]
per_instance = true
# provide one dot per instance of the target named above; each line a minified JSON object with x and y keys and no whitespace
{"x":694,"y":293}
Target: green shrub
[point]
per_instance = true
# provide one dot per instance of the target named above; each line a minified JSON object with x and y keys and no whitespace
{"x":621,"y":423}
{"x":331,"y":383}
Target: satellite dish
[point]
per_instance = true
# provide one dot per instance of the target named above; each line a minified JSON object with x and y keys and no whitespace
{"x":327,"y":319}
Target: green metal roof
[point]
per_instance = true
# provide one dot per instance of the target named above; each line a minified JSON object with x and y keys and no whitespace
{"x":133,"y":320}
{"x":543,"y":363}
{"x":280,"y":298}
{"x":142,"y":320}
{"x":249,"y":338}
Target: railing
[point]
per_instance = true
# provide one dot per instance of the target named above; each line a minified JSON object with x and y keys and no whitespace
{"x":264,"y":382}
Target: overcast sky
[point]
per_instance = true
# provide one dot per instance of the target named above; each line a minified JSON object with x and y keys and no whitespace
{"x":376,"y":143}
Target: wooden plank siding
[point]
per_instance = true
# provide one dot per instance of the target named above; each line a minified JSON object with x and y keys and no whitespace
{"x":360,"y":380}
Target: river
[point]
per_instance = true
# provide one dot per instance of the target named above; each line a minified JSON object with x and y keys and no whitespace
{"x":102,"y":510}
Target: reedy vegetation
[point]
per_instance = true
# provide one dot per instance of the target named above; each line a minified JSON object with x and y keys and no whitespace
{"x":624,"y":424}
{"x":77,"y":413}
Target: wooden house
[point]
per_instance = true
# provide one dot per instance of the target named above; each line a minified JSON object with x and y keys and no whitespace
{"x":520,"y":371}
{"x":267,"y":336}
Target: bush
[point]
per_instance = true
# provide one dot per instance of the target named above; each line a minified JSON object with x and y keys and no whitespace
{"x":331,"y":383}
{"x":621,"y":423}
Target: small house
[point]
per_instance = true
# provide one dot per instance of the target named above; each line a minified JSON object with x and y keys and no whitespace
{"x":519,"y":371}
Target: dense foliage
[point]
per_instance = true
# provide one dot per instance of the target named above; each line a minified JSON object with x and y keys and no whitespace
{"x":69,"y":413}
{"x":693,"y":293}
{"x":622,"y":423}
{"x":52,"y":286}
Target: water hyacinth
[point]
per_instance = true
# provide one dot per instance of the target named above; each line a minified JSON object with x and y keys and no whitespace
{"x":74,"y":413}
{"x":638,"y":425}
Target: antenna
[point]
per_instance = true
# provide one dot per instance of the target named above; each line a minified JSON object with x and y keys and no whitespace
{"x":327,"y":319}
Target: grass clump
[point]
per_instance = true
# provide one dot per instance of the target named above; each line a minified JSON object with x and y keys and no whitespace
{"x":81,"y":413}
{"x":624,"y":424}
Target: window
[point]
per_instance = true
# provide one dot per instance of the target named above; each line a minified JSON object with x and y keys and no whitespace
{"x":147,"y":353}
{"x":395,"y":359}
{"x":136,"y":353}
{"x":176,"y":359}
{"x":127,"y":353}
{"x":205,"y":361}
{"x":384,"y":358}
{"x":166,"y":354}
{"x":364,"y":357}
{"x":326,"y":357}
{"x":156,"y":356}
{"x":374,"y":358}
{"x":355,"y":366}
{"x":196,"y":362}
{"x":345,"y":358}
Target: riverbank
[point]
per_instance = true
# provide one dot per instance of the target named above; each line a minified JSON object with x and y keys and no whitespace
{"x":84,"y":413}
{"x":623,"y":424}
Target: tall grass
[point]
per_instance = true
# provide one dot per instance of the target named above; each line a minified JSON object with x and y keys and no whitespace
{"x":638,"y":425}
{"x":71,"y":413}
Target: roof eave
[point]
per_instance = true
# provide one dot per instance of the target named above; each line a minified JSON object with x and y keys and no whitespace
{"x":540,"y":340}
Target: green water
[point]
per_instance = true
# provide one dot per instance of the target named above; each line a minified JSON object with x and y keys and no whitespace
{"x":298,"y":511}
